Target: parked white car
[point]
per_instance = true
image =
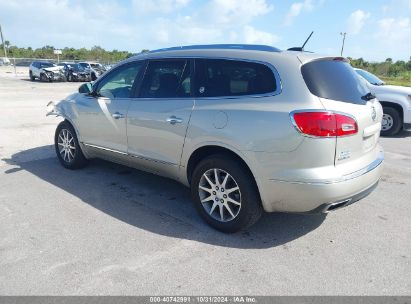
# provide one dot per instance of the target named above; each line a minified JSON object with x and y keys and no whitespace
{"x":395,"y":100}
{"x":46,"y":71}
{"x":4,"y":61}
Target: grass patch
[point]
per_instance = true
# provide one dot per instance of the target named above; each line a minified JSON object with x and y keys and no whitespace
{"x":396,"y":81}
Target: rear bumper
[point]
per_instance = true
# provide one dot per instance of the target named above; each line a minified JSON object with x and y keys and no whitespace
{"x":321,"y":195}
{"x":325,"y":208}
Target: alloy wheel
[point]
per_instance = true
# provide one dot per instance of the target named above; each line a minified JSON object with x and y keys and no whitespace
{"x":67,"y":148}
{"x":220,"y":195}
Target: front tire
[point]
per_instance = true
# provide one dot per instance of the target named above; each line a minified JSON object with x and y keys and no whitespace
{"x":391,"y":122}
{"x":225,"y":194}
{"x":67,"y":147}
{"x":43,"y":77}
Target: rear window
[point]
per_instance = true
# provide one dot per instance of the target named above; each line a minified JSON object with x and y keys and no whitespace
{"x":220,"y":77}
{"x":335,"y":80}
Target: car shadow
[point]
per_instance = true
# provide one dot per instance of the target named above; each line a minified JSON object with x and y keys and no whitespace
{"x":154,"y":203}
{"x":402,"y":134}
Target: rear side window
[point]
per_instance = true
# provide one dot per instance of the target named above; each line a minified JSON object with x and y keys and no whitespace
{"x":220,"y":77}
{"x":167,"y":79}
{"x":335,"y":80}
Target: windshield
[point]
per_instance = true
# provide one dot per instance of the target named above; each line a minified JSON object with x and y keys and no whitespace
{"x":46,"y":65}
{"x":332,"y":79}
{"x":371,"y":78}
{"x":77,"y":67}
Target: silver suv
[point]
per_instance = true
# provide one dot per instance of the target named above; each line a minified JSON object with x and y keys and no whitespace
{"x":248,"y":128}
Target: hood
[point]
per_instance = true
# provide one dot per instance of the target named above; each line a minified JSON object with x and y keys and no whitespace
{"x":53,"y":69}
{"x":391,"y":89}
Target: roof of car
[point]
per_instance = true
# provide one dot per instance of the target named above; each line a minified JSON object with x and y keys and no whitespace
{"x":251,"y":47}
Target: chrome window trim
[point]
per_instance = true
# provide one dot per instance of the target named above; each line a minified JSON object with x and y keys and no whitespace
{"x":277,"y":77}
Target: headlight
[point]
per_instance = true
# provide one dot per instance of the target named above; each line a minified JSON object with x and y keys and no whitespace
{"x":74,"y":74}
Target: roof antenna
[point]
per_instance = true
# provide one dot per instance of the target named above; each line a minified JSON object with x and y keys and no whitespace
{"x":301,"y":49}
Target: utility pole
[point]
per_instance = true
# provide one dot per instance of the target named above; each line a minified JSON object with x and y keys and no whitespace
{"x":342,"y":47}
{"x":2,"y":41}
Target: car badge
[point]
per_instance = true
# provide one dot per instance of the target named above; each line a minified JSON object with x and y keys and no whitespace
{"x":373,"y":113}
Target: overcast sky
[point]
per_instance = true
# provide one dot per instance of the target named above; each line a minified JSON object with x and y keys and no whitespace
{"x":375,"y":29}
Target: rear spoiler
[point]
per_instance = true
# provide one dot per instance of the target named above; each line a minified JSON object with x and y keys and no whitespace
{"x":305,"y":58}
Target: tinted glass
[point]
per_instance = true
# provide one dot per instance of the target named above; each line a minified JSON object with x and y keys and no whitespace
{"x":218,"y":77}
{"x":119,"y":82}
{"x":335,"y":80}
{"x":371,"y":78}
{"x":167,"y":79}
{"x":46,"y":65}
{"x":77,"y":67}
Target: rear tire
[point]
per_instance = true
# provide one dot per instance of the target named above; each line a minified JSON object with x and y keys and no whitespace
{"x":391,"y":122}
{"x":219,"y":204}
{"x":32,"y":78}
{"x":67,"y":147}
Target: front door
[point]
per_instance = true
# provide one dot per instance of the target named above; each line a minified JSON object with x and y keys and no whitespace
{"x":102,"y":117}
{"x":158,"y":119}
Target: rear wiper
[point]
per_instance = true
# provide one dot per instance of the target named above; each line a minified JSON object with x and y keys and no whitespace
{"x":368,"y":96}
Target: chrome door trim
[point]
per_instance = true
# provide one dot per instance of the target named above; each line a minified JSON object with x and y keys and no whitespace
{"x":151,"y":159}
{"x":129,"y":154}
{"x":105,"y":149}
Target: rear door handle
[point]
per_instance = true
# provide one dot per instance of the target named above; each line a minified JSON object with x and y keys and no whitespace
{"x":173,"y":120}
{"x":117,"y":115}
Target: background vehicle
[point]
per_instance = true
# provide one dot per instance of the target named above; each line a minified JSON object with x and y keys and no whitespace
{"x":75,"y":72}
{"x":4,"y":61}
{"x":248,"y":128}
{"x":94,"y":68}
{"x":46,"y":71}
{"x":395,"y":100}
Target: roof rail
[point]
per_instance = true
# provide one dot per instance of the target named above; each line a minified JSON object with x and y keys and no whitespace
{"x":251,"y":47}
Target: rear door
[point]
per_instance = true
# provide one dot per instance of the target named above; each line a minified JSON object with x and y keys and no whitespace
{"x":157,"y":119}
{"x":339,"y":89}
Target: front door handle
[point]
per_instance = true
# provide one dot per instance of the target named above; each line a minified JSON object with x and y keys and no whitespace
{"x":173,"y":120}
{"x":117,"y":115}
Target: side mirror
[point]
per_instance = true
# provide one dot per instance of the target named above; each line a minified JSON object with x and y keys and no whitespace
{"x":85,"y":88}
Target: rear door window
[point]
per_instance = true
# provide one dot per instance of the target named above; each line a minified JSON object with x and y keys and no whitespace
{"x":221,"y":77}
{"x":336,"y":80}
{"x":167,"y":79}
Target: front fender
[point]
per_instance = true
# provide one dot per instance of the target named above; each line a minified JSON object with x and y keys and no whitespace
{"x":65,"y":110}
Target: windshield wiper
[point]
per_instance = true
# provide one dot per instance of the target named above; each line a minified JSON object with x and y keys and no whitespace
{"x":368,"y":96}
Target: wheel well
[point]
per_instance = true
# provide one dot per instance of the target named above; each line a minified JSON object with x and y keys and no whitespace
{"x":203,"y":152}
{"x":72,"y":125}
{"x":395,"y":106}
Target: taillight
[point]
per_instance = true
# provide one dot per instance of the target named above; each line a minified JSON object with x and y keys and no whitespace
{"x":324,"y":124}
